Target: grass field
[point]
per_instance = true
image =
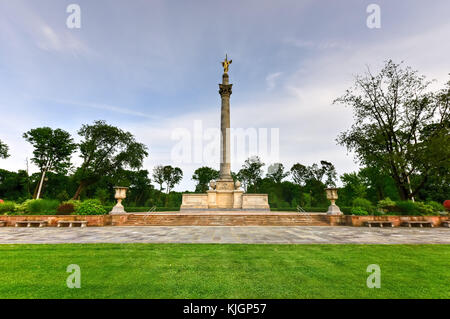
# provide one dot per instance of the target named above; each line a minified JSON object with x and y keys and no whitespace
{"x":224,"y":271}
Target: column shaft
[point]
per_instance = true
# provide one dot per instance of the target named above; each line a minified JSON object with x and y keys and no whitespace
{"x":225,"y":152}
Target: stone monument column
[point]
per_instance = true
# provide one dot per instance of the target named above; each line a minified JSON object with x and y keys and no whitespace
{"x":225,"y":154}
{"x":224,"y":193}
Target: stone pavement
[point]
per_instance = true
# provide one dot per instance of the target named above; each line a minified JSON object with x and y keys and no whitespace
{"x":226,"y":234}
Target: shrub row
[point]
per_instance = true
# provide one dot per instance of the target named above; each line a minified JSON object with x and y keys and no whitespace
{"x":54,"y":207}
{"x":387,"y":206}
{"x":30,"y":207}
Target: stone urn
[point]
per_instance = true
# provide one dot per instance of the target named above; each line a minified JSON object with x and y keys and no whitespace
{"x":121,"y":194}
{"x":332,"y":195}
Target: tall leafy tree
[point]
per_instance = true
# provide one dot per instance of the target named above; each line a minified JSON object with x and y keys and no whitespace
{"x":299,"y":173}
{"x":398,"y":127}
{"x":329,"y":171}
{"x":313,"y":179}
{"x":158,"y":176}
{"x":52,"y":151}
{"x":251,"y":172}
{"x":325,"y":173}
{"x":354,"y":185}
{"x":3,"y":150}
{"x":203,"y":175}
{"x":276,"y":172}
{"x":172,"y":176}
{"x":379,"y":184}
{"x":105,"y":150}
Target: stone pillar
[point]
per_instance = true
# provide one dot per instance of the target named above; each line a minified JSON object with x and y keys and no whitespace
{"x":225,"y":155}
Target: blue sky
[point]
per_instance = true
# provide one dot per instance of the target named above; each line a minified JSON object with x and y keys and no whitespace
{"x":153,"y":66}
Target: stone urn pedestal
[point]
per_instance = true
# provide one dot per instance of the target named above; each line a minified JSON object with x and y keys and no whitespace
{"x":121,"y":194}
{"x":332,"y":195}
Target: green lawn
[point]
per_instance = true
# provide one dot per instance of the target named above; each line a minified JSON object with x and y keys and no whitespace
{"x":224,"y":271}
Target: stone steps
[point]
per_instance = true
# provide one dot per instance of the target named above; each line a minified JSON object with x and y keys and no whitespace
{"x":229,"y":219}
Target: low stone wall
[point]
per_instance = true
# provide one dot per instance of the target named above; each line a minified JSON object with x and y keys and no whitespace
{"x":255,"y":201}
{"x":238,"y":218}
{"x":92,"y":220}
{"x":396,"y":220}
{"x":194,"y":201}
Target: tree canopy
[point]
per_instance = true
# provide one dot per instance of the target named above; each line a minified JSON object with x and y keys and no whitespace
{"x":106,"y":149}
{"x":312,"y":181}
{"x":276,"y":172}
{"x":171,"y":176}
{"x":3,"y":150}
{"x":203,"y":175}
{"x":325,"y":173}
{"x":400,"y":127}
{"x":251,"y":172}
{"x":158,"y":176}
{"x":52,"y":151}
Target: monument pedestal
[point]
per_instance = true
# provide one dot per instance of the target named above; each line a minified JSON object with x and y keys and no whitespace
{"x":225,"y":195}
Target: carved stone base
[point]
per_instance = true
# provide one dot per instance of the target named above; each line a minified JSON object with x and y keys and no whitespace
{"x":118,"y":209}
{"x":225,"y":196}
{"x":333,"y":209}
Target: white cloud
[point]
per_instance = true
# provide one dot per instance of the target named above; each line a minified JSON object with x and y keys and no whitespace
{"x":271,"y":80}
{"x":320,"y":45}
{"x":29,"y":25}
{"x":107,"y":107}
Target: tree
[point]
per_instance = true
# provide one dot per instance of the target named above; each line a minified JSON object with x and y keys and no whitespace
{"x":354,"y":187}
{"x":172,"y":176}
{"x":158,"y":176}
{"x":13,"y":185}
{"x":329,"y":171}
{"x":251,"y":172}
{"x":105,"y":150}
{"x":4,"y":150}
{"x":313,"y":180}
{"x":52,"y":151}
{"x":379,"y":184}
{"x":276,"y":172}
{"x":398,"y":125}
{"x":139,"y":184}
{"x":203,"y":176}
{"x":301,"y":174}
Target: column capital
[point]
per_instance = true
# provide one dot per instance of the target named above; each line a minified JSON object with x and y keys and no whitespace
{"x":225,"y":89}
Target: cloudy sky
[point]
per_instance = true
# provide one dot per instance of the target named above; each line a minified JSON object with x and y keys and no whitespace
{"x":152,"y":68}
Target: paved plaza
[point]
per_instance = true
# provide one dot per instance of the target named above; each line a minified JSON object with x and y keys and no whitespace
{"x":226,"y":234}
